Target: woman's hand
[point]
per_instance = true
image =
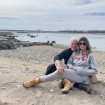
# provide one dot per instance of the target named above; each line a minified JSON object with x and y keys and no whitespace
{"x":93,"y":79}
{"x":71,"y":67}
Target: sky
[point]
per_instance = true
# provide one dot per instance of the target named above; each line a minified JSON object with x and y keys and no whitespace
{"x":52,"y":15}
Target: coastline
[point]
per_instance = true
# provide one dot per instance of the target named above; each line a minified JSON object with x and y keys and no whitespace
{"x":59,"y":32}
{"x":12,"y":40}
{"x":25,"y":63}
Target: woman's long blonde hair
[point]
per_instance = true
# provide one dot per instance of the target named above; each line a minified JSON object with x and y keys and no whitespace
{"x":88,"y":47}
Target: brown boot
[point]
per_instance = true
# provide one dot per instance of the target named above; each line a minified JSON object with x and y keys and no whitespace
{"x":86,"y":88}
{"x":67,"y":86}
{"x":32,"y":82}
{"x":61,"y":85}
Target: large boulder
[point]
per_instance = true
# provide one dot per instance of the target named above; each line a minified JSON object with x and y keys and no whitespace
{"x":6,"y":45}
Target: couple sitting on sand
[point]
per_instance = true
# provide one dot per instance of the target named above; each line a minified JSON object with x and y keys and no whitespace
{"x":79,"y":67}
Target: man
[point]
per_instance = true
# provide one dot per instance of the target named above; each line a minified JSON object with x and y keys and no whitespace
{"x":66,"y":55}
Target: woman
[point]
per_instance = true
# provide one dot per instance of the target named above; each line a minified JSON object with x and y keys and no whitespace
{"x":80,"y":66}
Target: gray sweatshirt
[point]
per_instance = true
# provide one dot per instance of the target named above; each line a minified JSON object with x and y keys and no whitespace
{"x":84,"y":66}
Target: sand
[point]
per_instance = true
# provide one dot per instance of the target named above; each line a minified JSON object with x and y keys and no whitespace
{"x":19,"y":65}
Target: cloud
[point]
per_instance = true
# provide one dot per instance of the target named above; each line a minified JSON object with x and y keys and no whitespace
{"x":7,"y":18}
{"x":83,"y":2}
{"x":52,"y":14}
{"x":96,"y":14}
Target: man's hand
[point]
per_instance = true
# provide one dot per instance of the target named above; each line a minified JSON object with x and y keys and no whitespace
{"x":60,"y":69}
{"x":72,"y":68}
{"x":93,"y":79}
{"x":59,"y":66}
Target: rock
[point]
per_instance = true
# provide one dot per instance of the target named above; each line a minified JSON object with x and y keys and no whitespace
{"x":28,"y":34}
{"x":4,"y":103}
{"x":64,"y":95}
{"x":18,"y":86}
{"x":34,"y":104}
{"x":3,"y":87}
{"x":53,"y":42}
{"x":9,"y":42}
{"x":32,"y":36}
{"x":50,"y":96}
{"x":6,"y":45}
{"x":48,"y":42}
{"x":51,"y":90}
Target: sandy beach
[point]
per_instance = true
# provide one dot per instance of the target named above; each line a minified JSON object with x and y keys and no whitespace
{"x":25,"y":63}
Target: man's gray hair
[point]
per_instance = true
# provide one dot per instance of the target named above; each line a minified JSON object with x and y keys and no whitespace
{"x":73,"y":38}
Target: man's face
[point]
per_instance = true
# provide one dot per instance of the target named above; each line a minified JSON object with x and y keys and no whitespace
{"x":73,"y":45}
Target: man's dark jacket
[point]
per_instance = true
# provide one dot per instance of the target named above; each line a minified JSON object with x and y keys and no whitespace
{"x":63,"y":55}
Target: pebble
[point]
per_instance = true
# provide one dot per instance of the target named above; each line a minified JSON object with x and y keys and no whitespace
{"x":63,"y":95}
{"x":18,"y":86}
{"x":102,"y":102}
{"x":17,"y":99}
{"x":38,"y":53}
{"x":51,"y":90}
{"x":50,"y":96}
{"x":89,"y":99}
{"x":3,"y":87}
{"x":102,"y":95}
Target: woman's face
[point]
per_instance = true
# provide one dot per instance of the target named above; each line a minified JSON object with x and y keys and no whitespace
{"x":82,"y":45}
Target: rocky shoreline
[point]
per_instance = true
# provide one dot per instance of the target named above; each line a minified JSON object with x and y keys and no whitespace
{"x":9,"y":41}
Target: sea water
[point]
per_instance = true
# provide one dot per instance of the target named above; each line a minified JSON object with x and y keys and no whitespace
{"x":97,"y":41}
